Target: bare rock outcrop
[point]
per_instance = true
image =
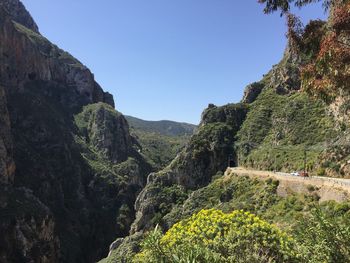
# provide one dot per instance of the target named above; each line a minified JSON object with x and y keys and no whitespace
{"x":27,"y":56}
{"x":208,"y":152}
{"x":62,"y":199}
{"x":19,"y":14}
{"x":7,"y":165}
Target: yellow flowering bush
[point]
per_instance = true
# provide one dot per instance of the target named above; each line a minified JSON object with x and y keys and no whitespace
{"x":214,"y":236}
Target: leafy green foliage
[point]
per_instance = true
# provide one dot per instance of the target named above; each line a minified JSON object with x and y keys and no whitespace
{"x":325,"y":235}
{"x":168,"y":198}
{"x":235,"y":237}
{"x":167,"y":128}
{"x":243,"y":193}
{"x":159,"y":150}
{"x":317,"y":232}
{"x":285,"y":5}
{"x":160,"y":141}
{"x":279,"y":128}
{"x":328,"y":73}
{"x":322,"y":235}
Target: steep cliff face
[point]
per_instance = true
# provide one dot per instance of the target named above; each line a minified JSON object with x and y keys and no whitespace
{"x":7,"y":166}
{"x":19,"y":14}
{"x":302,"y":105}
{"x":275,"y":126}
{"x":283,"y":121}
{"x":27,"y":56}
{"x":70,"y":171}
{"x":107,"y":131}
{"x":27,"y":228}
{"x":207,"y":153}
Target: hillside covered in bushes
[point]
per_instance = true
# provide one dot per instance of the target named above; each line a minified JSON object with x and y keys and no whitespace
{"x":81,"y":182}
{"x":295,"y":116}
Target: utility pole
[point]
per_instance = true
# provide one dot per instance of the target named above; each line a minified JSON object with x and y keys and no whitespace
{"x":305,"y":161}
{"x":275,"y":149}
{"x":275,"y":160}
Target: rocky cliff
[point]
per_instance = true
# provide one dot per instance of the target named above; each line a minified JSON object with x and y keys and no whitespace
{"x":70,"y":170}
{"x":206,"y":154}
{"x":277,"y":125}
{"x":7,"y":166}
{"x":18,"y":13}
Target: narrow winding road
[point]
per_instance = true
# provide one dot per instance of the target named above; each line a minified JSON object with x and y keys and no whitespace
{"x":317,"y":181}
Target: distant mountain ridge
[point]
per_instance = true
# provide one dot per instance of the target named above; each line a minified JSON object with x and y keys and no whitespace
{"x":161,"y":140}
{"x":163,"y":127}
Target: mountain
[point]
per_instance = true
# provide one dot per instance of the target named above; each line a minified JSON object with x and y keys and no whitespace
{"x":69,"y":169}
{"x":281,"y":124}
{"x":168,"y":128}
{"x":76,"y":175}
{"x":160,"y":141}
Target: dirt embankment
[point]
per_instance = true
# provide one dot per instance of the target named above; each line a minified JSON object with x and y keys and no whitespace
{"x":326,"y":188}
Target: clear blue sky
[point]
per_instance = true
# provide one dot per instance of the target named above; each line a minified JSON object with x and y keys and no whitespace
{"x":167,"y":59}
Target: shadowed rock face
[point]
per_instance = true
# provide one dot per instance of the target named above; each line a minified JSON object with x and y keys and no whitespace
{"x":27,"y":56}
{"x":7,"y":166}
{"x":108,"y":132}
{"x":252,"y":91}
{"x":206,"y":154}
{"x":65,"y":194}
{"x":19,"y":13}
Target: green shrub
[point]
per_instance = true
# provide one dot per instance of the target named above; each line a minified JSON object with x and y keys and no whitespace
{"x":311,"y":188}
{"x":213,"y":236}
{"x":324,"y":237}
{"x":321,"y":171}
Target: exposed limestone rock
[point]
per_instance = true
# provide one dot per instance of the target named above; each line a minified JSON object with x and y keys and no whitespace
{"x":19,"y":13}
{"x":285,"y":77}
{"x":107,"y":131}
{"x":27,"y":228}
{"x":108,"y":99}
{"x":252,"y":91}
{"x":26,"y":56}
{"x":207,"y":153}
{"x":71,"y":194}
{"x":123,"y":248}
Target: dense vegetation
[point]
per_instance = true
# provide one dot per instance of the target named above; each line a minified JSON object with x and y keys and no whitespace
{"x":169,"y":128}
{"x":160,"y":141}
{"x":285,"y":5}
{"x":308,"y":223}
{"x":158,"y":149}
{"x":213,"y":236}
{"x":327,"y":75}
{"x":79,"y":168}
{"x":279,"y":128}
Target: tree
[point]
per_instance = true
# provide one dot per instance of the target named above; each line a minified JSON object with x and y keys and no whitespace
{"x":295,"y":32}
{"x":328,"y":74}
{"x":285,"y":5}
